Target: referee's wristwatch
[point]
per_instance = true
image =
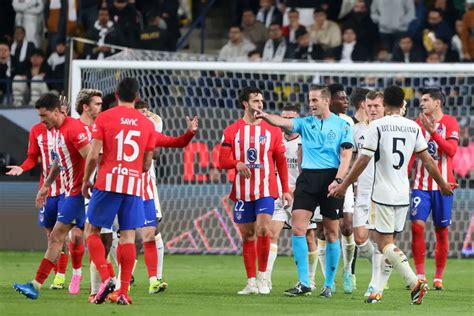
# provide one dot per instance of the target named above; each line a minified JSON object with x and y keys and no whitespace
{"x":338,"y":180}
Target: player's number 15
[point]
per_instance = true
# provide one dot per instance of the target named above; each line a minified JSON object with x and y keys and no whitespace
{"x":127,"y":140}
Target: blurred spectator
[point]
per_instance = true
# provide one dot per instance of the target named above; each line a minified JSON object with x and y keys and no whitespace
{"x":6,"y":70}
{"x":436,"y":27}
{"x":446,"y":55}
{"x":126,"y":21}
{"x":305,"y":50}
{"x":254,"y":30}
{"x":324,"y":32}
{"x":29,"y":14}
{"x":433,"y":58}
{"x":406,"y":51}
{"x":88,"y":12}
{"x":37,"y":72}
{"x":456,"y":43}
{"x":393,"y":17}
{"x":154,"y":37}
{"x":269,"y":13}
{"x":254,"y":56}
{"x":415,"y":28}
{"x":56,"y":63}
{"x":448,"y":10}
{"x":169,"y":13}
{"x":7,"y":16}
{"x":351,"y":50}
{"x":98,"y":33}
{"x":237,"y":48}
{"x":275,"y":47}
{"x":293,"y":26}
{"x":61,"y":21}
{"x":366,"y":30}
{"x":21,"y":51}
{"x":467,"y":32}
{"x":382,"y":55}
{"x":237,"y":7}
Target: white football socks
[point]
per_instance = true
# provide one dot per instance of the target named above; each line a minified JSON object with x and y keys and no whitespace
{"x":95,"y":279}
{"x":322,"y":255}
{"x":313,"y":264}
{"x":399,"y":261}
{"x":348,"y":248}
{"x":160,"y":249}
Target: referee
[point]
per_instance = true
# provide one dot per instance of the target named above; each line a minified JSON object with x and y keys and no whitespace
{"x":327,"y":151}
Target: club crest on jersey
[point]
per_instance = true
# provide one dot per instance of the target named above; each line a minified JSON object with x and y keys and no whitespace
{"x":262,"y":139}
{"x":439,"y":130}
{"x":331,"y":135}
{"x":414,"y":211}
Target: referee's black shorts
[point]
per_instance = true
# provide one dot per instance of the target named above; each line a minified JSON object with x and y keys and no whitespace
{"x":312,"y":190}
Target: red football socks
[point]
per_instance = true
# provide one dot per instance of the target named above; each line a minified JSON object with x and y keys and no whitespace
{"x":249,"y":253}
{"x":43,"y":271}
{"x":127,"y":260}
{"x":62,"y":263}
{"x":110,"y":267}
{"x":441,"y":250}
{"x":77,"y":252}
{"x":418,"y":247}
{"x":263,"y":250}
{"x":97,"y":254}
{"x":151,"y":257}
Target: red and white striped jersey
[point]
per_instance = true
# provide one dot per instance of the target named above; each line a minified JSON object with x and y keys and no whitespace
{"x":126,"y":135}
{"x":447,"y":128}
{"x":71,"y":137}
{"x":149,"y":178}
{"x":41,"y":149}
{"x":256,"y":146}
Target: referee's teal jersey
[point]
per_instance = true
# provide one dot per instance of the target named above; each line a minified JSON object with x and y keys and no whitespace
{"x":322,"y":140}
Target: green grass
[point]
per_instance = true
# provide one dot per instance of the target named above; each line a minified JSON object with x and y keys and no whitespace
{"x":207,"y":285}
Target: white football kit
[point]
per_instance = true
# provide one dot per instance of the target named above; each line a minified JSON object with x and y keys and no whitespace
{"x":391,"y":141}
{"x":365,"y":180}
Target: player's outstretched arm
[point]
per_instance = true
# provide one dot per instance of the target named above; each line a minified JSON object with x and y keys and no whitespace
{"x":432,"y":169}
{"x":359,"y":166}
{"x":182,"y":141}
{"x":275,"y":120}
{"x":14,"y":171}
{"x":92,"y":160}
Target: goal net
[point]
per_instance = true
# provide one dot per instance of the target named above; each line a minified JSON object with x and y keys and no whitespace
{"x":193,"y":191}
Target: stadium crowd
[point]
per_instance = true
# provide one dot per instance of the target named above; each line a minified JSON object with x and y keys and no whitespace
{"x":33,"y":36}
{"x":352,"y":31}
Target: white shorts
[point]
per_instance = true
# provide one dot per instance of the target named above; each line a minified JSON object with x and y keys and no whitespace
{"x":388,"y":219}
{"x":361,"y":211}
{"x":349,"y":200}
{"x":282,"y":214}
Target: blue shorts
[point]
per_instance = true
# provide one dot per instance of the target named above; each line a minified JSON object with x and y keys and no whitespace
{"x":104,"y":206}
{"x":150,"y":213}
{"x":48,"y":214}
{"x":73,"y":211}
{"x":423,"y":202}
{"x":246,"y":212}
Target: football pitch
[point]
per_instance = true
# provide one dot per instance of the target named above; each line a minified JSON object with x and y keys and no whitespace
{"x":207,"y":285}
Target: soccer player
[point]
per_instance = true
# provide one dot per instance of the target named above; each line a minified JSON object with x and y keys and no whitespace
{"x":441,"y":131}
{"x":151,"y":202}
{"x":374,"y":109}
{"x":282,"y":215}
{"x":40,"y":150}
{"x":88,"y":106}
{"x":339,"y":105}
{"x":392,"y":140}
{"x":71,"y":145}
{"x":357,"y":99}
{"x":127,"y":139}
{"x":327,"y":150}
{"x":253,"y":148}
